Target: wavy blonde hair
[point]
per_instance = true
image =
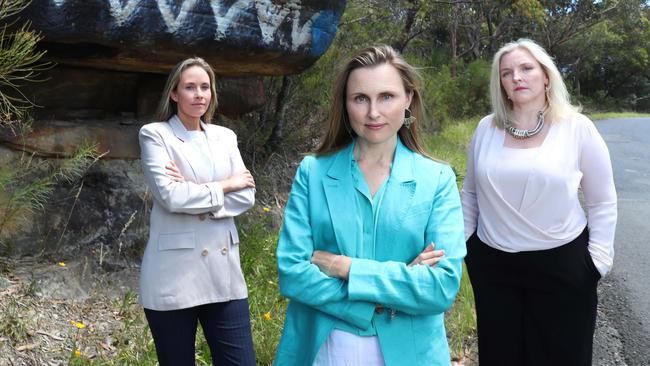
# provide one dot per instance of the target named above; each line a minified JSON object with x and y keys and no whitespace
{"x":339,"y":132}
{"x":557,"y":97}
{"x":167,"y":107}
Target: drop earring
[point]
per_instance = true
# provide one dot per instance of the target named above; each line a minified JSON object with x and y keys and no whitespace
{"x":409,"y":119}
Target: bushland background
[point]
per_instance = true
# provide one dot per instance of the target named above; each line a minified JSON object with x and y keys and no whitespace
{"x":601,"y":47}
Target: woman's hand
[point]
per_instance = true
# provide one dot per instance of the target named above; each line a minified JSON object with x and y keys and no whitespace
{"x":428,"y":257}
{"x":238,"y":181}
{"x":333,"y":265}
{"x":172,"y":170}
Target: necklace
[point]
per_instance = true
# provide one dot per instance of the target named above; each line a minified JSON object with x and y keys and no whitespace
{"x":524,"y":134}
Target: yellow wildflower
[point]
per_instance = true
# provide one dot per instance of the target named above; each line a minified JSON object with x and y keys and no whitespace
{"x":78,"y":324}
{"x":61,"y":264}
{"x":77,"y":353}
{"x":266,"y":209}
{"x":267,"y":316}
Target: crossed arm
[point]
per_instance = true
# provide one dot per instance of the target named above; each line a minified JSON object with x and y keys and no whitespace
{"x":173,"y":191}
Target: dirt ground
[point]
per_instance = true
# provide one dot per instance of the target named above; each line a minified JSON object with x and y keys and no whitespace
{"x":50,"y":310}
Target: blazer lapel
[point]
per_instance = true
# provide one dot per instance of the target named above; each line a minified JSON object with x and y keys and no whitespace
{"x":192,"y":157}
{"x":339,"y":193}
{"x":399,"y":192}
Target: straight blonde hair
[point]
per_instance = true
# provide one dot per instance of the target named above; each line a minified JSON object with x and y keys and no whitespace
{"x":167,"y":107}
{"x":557,"y":97}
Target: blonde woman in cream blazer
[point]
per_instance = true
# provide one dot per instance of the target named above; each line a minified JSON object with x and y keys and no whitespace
{"x":191,"y":270}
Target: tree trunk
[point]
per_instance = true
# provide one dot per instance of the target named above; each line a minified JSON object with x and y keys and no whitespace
{"x":275,"y":139}
{"x":453,"y":42}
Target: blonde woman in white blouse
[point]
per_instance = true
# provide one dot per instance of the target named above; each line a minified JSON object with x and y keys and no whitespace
{"x":191,"y":271}
{"x":535,"y":255}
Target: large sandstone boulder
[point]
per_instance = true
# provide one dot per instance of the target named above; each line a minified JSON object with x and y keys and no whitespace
{"x":112,"y":58}
{"x":238,"y":37}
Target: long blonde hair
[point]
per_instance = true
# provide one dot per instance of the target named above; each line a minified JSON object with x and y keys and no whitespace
{"x":339,"y":132}
{"x":557,"y":97}
{"x":167,"y":107}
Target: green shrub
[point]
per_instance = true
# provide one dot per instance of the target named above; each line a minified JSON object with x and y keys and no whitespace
{"x":455,"y":97}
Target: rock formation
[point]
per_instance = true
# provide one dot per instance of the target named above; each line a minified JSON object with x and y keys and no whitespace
{"x":111,"y":61}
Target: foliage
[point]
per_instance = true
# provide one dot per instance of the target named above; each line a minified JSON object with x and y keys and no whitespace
{"x":26,"y":185}
{"x":612,"y":73}
{"x":460,"y":96}
{"x":14,"y":325}
{"x":19,"y":63}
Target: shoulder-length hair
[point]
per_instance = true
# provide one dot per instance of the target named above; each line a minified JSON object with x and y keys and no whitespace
{"x":339,"y":132}
{"x":557,"y":97}
{"x":167,"y":107}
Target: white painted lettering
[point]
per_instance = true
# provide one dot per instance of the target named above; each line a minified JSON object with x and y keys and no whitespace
{"x":224,"y":21}
{"x":174,"y":22}
{"x":270,"y":16}
{"x":301,"y":35}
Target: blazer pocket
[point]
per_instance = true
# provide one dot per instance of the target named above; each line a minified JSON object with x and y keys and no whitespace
{"x":176,"y":241}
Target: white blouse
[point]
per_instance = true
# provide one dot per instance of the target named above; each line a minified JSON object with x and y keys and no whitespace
{"x":527,"y":199}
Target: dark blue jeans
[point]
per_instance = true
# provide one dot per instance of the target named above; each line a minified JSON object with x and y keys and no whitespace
{"x":226,"y":326}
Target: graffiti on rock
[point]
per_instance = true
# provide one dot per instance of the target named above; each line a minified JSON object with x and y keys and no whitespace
{"x":270,"y":17}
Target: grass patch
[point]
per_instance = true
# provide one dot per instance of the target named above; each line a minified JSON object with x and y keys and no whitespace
{"x":612,"y":115}
{"x":267,"y":307}
{"x":450,"y":145}
{"x":15,"y":325}
{"x":460,"y":322}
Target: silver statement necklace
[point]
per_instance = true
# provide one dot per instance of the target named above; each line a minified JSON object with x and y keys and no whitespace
{"x":524,"y":134}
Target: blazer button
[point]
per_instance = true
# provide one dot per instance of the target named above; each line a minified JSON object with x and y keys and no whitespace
{"x":204,"y":252}
{"x":202,"y":216}
{"x":224,"y":250}
{"x":379,"y":309}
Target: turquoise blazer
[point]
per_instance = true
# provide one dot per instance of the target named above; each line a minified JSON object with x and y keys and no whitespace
{"x":420,"y":205}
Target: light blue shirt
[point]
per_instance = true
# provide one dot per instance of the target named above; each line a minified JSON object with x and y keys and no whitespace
{"x":366,"y":222}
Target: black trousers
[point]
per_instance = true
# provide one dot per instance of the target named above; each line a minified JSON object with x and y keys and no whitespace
{"x":536,"y":307}
{"x":226,"y":327}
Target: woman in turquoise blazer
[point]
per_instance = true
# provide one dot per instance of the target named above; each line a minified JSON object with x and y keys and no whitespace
{"x":372,"y":243}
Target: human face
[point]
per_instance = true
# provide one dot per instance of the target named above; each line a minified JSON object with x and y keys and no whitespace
{"x":523,"y":79}
{"x":192,"y":95}
{"x":376,"y":100}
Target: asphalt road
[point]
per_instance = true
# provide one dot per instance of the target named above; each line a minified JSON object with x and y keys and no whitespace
{"x":623,"y":334}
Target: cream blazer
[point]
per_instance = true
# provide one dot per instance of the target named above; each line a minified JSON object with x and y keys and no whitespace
{"x":192,"y":256}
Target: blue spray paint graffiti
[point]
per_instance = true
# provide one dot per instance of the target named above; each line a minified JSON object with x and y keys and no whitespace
{"x":322,"y":32}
